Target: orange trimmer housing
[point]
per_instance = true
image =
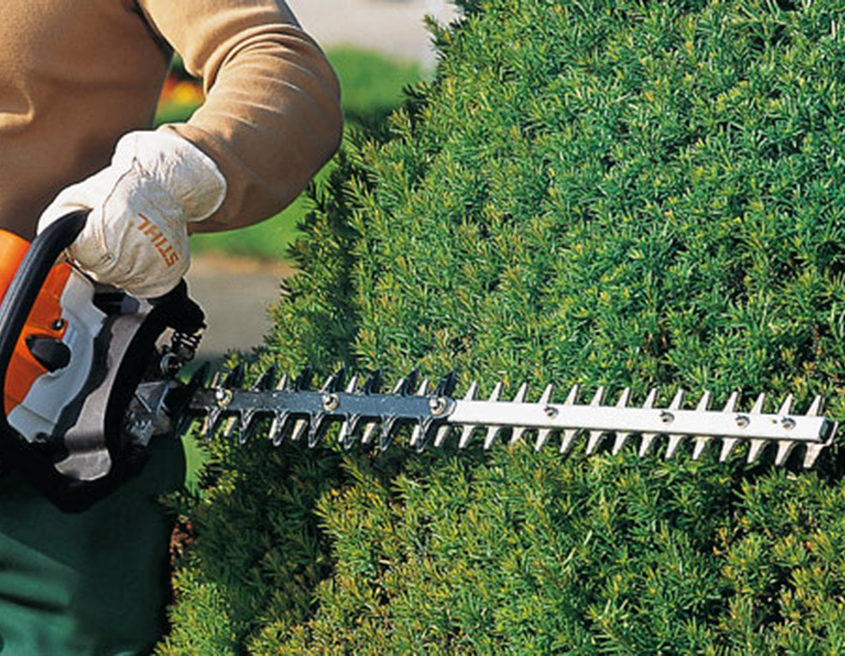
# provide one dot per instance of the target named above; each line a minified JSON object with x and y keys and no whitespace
{"x":45,"y":319}
{"x":72,"y":358}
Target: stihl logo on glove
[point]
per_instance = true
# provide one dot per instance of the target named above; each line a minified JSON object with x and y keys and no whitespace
{"x":158,"y":239}
{"x":157,"y":183}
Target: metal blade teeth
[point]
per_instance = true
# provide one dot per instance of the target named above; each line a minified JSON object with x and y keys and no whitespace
{"x":677,"y":400}
{"x":316,"y":429}
{"x":699,"y":445}
{"x":675,"y":440}
{"x":373,"y":383}
{"x":348,"y":429}
{"x":729,"y":443}
{"x":755,"y":448}
{"x":812,"y":454}
{"x":493,"y":431}
{"x":674,"y":444}
{"x":521,"y":395}
{"x":418,"y":432}
{"x":278,"y":424}
{"x":622,"y":436}
{"x":466,"y":435}
{"x":388,"y":429}
{"x":646,"y":444}
{"x":648,"y":438}
{"x":442,"y":433}
{"x":543,"y":434}
{"x":700,"y":442}
{"x":300,"y":429}
{"x":567,"y":440}
{"x":369,"y":432}
{"x":815,"y":407}
{"x":815,"y":450}
{"x":226,"y":407}
{"x":277,"y":428}
{"x":785,"y":448}
{"x":303,"y":381}
{"x":595,"y":437}
{"x":467,"y":431}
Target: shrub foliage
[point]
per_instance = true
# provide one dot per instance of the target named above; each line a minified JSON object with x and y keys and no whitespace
{"x":623,"y":193}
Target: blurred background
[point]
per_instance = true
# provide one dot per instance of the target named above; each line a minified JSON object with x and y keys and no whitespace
{"x":377,"y":48}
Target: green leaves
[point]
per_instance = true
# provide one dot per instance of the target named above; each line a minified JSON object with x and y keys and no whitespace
{"x":617,"y":193}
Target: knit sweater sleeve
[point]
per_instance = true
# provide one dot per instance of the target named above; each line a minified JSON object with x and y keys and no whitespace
{"x":272,"y":114}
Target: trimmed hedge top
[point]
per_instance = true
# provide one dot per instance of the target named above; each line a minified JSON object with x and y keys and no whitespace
{"x":621,"y":193}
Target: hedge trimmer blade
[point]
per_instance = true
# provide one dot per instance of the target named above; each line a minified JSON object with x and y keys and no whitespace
{"x":290,"y":409}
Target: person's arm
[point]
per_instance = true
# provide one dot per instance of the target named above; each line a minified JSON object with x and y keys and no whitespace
{"x":271,"y":119}
{"x":272,"y":113}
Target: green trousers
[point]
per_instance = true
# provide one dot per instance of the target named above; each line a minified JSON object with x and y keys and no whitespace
{"x":92,"y":583}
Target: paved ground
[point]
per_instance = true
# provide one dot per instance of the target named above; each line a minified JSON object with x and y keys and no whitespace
{"x":235,"y":293}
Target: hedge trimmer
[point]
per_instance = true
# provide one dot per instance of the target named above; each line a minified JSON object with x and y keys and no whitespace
{"x":89,"y":377}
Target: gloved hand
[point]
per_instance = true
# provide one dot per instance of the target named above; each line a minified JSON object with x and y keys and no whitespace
{"x":136,"y":237}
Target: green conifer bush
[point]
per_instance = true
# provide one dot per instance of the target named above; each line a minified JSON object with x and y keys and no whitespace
{"x":618,"y":193}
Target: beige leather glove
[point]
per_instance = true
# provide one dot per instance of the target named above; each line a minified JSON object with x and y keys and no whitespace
{"x":136,"y":237}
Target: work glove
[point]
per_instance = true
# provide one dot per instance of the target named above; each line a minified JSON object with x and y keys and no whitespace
{"x":136,"y":236}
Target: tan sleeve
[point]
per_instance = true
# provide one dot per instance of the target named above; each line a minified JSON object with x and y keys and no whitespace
{"x":272,"y":113}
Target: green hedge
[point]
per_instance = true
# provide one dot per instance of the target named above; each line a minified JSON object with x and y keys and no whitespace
{"x":594,"y":192}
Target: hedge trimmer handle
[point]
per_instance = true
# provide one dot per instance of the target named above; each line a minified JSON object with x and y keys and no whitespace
{"x":26,"y":284}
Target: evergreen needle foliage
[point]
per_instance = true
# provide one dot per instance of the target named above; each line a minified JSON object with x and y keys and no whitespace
{"x":595,"y":192}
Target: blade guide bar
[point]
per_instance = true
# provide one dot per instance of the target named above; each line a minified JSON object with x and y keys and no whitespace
{"x":433,"y":412}
{"x":710,"y":423}
{"x":318,"y":404}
